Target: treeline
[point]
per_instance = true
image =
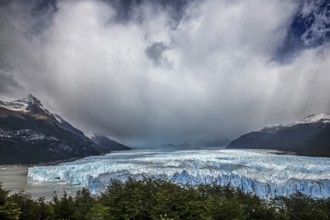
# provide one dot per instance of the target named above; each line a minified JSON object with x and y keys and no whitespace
{"x":159,"y":199}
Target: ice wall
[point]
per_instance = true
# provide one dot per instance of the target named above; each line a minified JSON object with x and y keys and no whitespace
{"x":260,"y":172}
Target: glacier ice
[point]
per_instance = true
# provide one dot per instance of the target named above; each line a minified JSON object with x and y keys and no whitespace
{"x":257,"y":171}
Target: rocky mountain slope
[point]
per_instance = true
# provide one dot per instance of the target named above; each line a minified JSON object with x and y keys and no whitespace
{"x":309,"y":137}
{"x":29,"y":133}
{"x":107,"y":145}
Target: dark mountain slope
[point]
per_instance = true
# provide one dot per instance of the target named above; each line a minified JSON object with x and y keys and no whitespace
{"x":309,"y":137}
{"x":107,"y":145}
{"x":31,"y":134}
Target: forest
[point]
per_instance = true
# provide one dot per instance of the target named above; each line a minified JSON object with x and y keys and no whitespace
{"x":159,"y":199}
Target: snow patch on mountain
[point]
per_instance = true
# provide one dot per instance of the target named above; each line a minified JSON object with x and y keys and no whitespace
{"x":23,"y":105}
{"x":15,"y":106}
{"x":315,"y":118}
{"x":256,"y":171}
{"x":58,"y":119}
{"x":25,"y":135}
{"x":324,"y":118}
{"x":31,"y":104}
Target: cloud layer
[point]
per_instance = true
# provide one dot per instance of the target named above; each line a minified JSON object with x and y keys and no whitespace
{"x":154,"y":79}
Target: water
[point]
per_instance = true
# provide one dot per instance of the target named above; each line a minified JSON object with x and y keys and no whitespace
{"x":14,"y":178}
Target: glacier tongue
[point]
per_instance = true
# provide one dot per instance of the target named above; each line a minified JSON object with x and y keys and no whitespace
{"x":256,"y":171}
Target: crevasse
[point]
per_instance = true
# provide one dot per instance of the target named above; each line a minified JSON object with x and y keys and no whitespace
{"x":257,"y":171}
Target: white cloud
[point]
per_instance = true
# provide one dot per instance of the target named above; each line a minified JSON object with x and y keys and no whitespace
{"x":220,"y":79}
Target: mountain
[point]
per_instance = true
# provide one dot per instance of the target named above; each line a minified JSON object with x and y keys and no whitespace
{"x":308,"y":137}
{"x":106,"y":145}
{"x":29,"y":133}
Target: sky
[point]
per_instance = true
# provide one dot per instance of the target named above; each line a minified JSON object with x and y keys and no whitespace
{"x":197,"y":72}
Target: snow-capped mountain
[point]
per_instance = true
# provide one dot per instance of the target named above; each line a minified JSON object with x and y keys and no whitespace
{"x":31,"y":105}
{"x":256,"y":171}
{"x":29,"y":133}
{"x":28,"y":104}
{"x":310,"y":119}
{"x":309,"y":136}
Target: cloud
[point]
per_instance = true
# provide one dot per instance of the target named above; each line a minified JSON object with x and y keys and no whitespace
{"x":147,"y":81}
{"x":155,"y":53}
{"x":8,"y":84}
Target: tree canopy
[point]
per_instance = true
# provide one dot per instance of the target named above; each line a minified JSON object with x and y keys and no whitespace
{"x":163,"y":200}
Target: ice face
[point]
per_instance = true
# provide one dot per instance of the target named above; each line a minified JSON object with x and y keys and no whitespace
{"x":258,"y":171}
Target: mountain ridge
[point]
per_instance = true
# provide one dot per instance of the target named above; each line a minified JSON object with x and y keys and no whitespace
{"x":107,"y":145}
{"x":307,"y":137}
{"x":29,"y":134}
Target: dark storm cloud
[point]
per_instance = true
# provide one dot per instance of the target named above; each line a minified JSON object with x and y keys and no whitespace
{"x":99,"y":72}
{"x":155,"y":53}
{"x":127,"y":10}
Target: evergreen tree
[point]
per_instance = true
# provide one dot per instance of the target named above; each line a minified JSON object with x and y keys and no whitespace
{"x":82,"y":202}
{"x":8,"y":209}
{"x":63,"y":207}
{"x":160,"y":199}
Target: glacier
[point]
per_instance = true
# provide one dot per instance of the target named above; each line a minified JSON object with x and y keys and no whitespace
{"x":262,"y":172}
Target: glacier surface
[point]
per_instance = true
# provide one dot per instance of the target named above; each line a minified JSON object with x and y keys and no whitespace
{"x":256,"y":171}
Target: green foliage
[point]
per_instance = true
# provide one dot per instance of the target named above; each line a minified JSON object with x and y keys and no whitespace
{"x":45,"y":211}
{"x":83,"y":203}
{"x":30,"y":208}
{"x":63,"y":207}
{"x":99,"y":212}
{"x":163,"y":200}
{"x":299,"y":206}
{"x":8,"y":209}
